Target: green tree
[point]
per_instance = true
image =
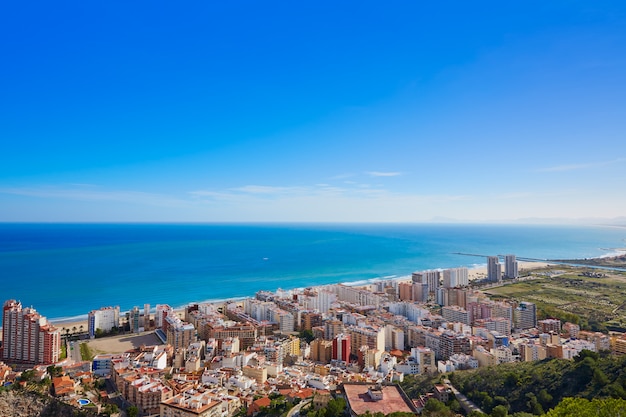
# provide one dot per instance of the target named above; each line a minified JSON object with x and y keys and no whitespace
{"x":454,"y":405}
{"x":54,"y":371}
{"x":132,"y":411}
{"x":586,"y":354}
{"x":545,"y":399}
{"x":435,"y":408}
{"x":336,"y":407}
{"x":533,"y":404}
{"x":499,"y":411}
{"x":581,"y":407}
{"x":27,"y":376}
{"x":599,"y":377}
{"x":307,"y":336}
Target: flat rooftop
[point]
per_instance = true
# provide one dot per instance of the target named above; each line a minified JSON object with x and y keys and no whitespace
{"x":360,"y":402}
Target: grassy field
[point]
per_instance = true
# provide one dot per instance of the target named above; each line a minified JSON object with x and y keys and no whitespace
{"x":596,"y":303}
{"x":86,"y":353}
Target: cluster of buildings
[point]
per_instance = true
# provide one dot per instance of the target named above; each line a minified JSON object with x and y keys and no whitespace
{"x":350,"y":341}
{"x":27,"y":337}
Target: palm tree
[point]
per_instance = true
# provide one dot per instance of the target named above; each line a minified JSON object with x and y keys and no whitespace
{"x":81,"y":329}
{"x":74,"y":330}
{"x":67,"y":333}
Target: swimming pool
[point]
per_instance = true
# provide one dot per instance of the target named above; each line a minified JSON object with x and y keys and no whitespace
{"x":83,"y":401}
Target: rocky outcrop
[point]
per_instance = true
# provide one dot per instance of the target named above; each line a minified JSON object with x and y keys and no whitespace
{"x":17,"y":403}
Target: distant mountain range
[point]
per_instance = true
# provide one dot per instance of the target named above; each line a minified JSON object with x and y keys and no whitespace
{"x":595,"y":221}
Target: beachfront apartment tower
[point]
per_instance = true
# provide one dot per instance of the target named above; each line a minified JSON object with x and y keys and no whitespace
{"x":455,"y":277}
{"x":431,"y":278}
{"x":27,"y":337}
{"x":104,"y":319}
{"x":510,"y":267}
{"x":146,"y":317}
{"x":494,"y":269}
{"x":135,"y":320}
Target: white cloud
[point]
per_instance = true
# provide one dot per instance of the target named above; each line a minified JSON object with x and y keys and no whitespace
{"x":93,"y":193}
{"x":342,"y":176}
{"x":383,"y":174}
{"x":265,"y":189}
{"x":574,"y":167}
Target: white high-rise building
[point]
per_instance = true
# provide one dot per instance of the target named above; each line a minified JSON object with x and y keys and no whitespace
{"x":104,"y":319}
{"x":324,"y":300}
{"x":510,"y":267}
{"x":455,"y":277}
{"x":494,"y":269}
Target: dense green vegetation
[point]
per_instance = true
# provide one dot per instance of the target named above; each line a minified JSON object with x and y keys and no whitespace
{"x":335,"y":408}
{"x":581,"y":407}
{"x":536,"y":387}
{"x":592,"y":383}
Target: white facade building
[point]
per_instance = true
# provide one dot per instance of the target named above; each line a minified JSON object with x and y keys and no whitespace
{"x":455,"y":277}
{"x":104,"y":319}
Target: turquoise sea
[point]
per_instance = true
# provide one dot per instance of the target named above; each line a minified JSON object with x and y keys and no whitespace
{"x":66,"y":270}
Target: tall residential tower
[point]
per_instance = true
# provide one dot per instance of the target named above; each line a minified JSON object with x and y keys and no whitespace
{"x":27,"y":337}
{"x":510,"y":267}
{"x":494,"y":269}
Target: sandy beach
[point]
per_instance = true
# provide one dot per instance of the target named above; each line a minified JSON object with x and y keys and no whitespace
{"x":63,"y":325}
{"x":474,"y":273}
{"x":130,"y":341}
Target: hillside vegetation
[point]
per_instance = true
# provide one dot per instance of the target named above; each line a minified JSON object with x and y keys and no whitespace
{"x":536,"y":387}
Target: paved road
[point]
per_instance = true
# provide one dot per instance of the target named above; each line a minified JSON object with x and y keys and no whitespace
{"x":73,"y":351}
{"x":462,"y":399}
{"x":295,"y":412}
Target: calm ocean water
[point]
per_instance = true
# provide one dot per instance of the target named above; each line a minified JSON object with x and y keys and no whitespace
{"x":66,"y":270}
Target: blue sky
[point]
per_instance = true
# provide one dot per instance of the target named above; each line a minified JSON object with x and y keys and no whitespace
{"x":312,"y":111}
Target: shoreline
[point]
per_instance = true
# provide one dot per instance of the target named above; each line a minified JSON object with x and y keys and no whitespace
{"x":188,"y":265}
{"x":474,"y":273}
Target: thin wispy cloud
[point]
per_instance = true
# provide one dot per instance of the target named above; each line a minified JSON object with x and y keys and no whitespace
{"x":575,"y":167}
{"x":383,"y":174}
{"x":353,"y":192}
{"x":342,"y":176}
{"x":514,"y":195}
{"x":266,"y":189}
{"x":92,"y":193}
